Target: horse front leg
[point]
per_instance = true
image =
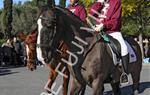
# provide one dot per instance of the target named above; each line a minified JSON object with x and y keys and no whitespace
{"x":82,"y":92}
{"x":66,"y":82}
{"x":116,"y":88}
{"x":52,"y":76}
{"x":97,"y":86}
{"x":76,"y":88}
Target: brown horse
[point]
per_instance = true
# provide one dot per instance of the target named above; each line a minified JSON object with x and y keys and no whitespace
{"x":30,"y":45}
{"x":90,"y":62}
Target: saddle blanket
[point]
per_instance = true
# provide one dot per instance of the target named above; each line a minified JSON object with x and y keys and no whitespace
{"x":132,"y":55}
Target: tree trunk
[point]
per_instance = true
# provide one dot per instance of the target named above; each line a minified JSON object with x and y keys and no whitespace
{"x":141,"y":42}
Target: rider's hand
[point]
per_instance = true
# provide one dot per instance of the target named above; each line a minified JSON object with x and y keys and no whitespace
{"x":98,"y":28}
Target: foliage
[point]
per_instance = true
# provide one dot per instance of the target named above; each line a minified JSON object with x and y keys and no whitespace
{"x":137,"y":11}
{"x":2,"y":41}
{"x":62,"y":3}
{"x":51,"y":2}
{"x":129,"y":28}
{"x":7,"y":18}
{"x":86,"y":3}
{"x":24,"y":17}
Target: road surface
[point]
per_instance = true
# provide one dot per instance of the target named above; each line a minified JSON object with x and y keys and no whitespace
{"x":20,"y":81}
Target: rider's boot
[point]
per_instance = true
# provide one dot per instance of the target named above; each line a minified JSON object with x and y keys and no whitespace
{"x":124,"y":79}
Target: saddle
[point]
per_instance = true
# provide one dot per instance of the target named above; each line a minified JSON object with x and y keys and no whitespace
{"x":116,"y":48}
{"x":113,"y":43}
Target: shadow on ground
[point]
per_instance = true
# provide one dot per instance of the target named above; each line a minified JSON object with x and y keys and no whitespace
{"x":128,"y":89}
{"x":6,"y":71}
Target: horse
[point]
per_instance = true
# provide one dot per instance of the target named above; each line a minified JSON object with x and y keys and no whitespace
{"x":90,"y":61}
{"x":30,"y":46}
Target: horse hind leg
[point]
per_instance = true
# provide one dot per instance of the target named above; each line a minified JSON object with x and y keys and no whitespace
{"x":136,"y":80}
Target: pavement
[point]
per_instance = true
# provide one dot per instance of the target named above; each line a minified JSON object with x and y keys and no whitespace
{"x":20,"y":81}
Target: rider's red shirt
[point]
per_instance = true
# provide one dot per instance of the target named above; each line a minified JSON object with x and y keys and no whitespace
{"x":79,"y":11}
{"x":112,"y":10}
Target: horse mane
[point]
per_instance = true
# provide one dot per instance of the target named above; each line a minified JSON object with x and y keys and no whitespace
{"x":76,"y":20}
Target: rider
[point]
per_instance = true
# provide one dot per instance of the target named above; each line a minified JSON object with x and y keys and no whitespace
{"x":109,"y":20}
{"x":77,"y":9}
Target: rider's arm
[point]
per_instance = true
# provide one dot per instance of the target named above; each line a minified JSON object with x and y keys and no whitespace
{"x":97,"y":6}
{"x":82,"y":14}
{"x":113,"y":20}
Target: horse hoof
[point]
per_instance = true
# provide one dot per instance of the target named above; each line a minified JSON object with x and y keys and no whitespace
{"x":49,"y":94}
{"x":44,"y":93}
{"x":135,"y":92}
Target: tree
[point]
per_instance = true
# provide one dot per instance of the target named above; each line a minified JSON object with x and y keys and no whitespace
{"x":87,"y":3}
{"x":24,"y":17}
{"x":51,"y":3}
{"x":7,"y":18}
{"x":62,"y":3}
{"x":138,"y":12}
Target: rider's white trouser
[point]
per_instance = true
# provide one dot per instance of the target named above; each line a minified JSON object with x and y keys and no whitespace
{"x":118,"y":36}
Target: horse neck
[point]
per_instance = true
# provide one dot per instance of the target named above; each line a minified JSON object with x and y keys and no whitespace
{"x":73,"y":30}
{"x":68,"y":28}
{"x":70,"y":23}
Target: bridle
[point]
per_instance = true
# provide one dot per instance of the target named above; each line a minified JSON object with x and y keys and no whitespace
{"x":53,"y":27}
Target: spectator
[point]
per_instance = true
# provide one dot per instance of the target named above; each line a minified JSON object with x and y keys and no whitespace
{"x":8,"y":43}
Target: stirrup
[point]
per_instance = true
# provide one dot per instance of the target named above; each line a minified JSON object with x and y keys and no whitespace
{"x":121,"y":82}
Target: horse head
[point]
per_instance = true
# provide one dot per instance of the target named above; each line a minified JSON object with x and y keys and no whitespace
{"x":56,"y":24}
{"x":46,"y":32}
